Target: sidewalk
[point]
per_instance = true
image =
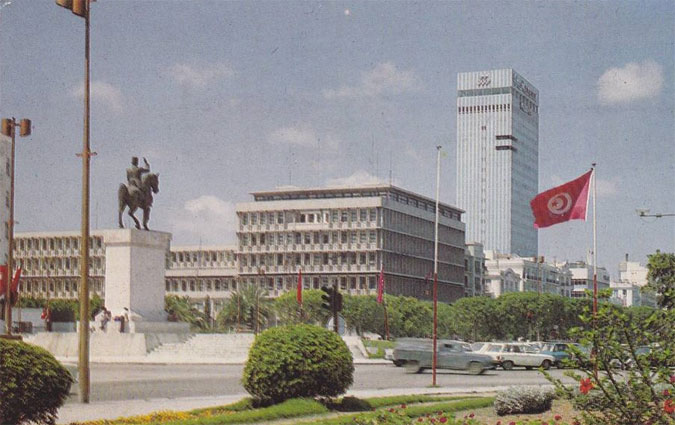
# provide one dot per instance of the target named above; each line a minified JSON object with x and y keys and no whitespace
{"x":77,"y":412}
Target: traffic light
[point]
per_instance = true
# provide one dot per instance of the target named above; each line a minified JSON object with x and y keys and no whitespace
{"x":338,"y":301}
{"x":327,"y":298}
{"x":78,"y":7}
{"x":24,"y":127}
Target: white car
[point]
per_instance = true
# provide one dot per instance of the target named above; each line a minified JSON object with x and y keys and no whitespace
{"x":513,"y":354}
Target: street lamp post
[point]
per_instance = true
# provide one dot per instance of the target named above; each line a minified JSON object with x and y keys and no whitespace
{"x":82,"y":8}
{"x":9,"y":129}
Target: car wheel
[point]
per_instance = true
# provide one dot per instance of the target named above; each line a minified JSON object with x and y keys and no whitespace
{"x":546,"y":364}
{"x":412,"y":367}
{"x":507,"y":365}
{"x":399,"y":363}
{"x":475,"y":368}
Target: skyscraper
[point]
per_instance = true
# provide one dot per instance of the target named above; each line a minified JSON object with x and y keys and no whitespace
{"x":498,"y":159}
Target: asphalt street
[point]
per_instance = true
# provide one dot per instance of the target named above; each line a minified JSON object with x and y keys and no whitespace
{"x":114,"y":382}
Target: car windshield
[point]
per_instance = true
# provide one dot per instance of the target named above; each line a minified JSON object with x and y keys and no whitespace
{"x":529,"y":349}
{"x":494,"y":347}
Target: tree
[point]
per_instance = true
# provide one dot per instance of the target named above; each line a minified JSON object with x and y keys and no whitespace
{"x":363,"y":314}
{"x":180,"y":309}
{"x":286,"y":308}
{"x":661,"y":277}
{"x":476,"y":319}
{"x":248,"y":307}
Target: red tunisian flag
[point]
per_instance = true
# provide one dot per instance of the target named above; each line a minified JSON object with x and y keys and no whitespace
{"x":380,"y":286}
{"x":562,"y":203}
{"x":299,"y":296}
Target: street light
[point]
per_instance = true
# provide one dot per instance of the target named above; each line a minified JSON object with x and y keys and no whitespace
{"x":645,"y":213}
{"x":82,"y":8}
{"x":9,"y":129}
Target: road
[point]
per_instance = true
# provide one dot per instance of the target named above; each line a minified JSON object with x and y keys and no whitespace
{"x":137,"y":381}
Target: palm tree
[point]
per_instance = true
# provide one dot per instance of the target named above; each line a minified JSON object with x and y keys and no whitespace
{"x":248,"y":307}
{"x":180,"y":309}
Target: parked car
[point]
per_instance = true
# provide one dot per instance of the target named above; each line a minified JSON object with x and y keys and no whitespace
{"x":509,"y":355}
{"x":559,"y":351}
{"x":476,"y":346}
{"x":416,"y":355}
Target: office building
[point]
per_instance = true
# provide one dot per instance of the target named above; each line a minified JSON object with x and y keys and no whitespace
{"x":498,"y":159}
{"x":512,"y":273}
{"x":346,"y":236}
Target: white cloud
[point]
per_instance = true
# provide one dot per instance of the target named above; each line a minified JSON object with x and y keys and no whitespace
{"x":103,"y":92}
{"x":385,"y":78}
{"x":208,"y":219}
{"x":199,"y":76}
{"x":359,"y":178}
{"x":303,"y":136}
{"x":632,"y":82}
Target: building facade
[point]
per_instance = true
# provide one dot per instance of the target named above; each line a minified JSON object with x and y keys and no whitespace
{"x":582,"y":278}
{"x":205,"y":274}
{"x":533,"y":275}
{"x":5,"y":161}
{"x":474,"y":270}
{"x":498,"y":159}
{"x":346,"y":236}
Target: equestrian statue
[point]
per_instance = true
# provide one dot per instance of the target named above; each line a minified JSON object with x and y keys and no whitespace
{"x":137,"y":193}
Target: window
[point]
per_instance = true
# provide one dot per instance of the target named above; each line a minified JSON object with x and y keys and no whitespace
{"x":352,"y":216}
{"x":334,"y":216}
{"x":344,"y":216}
{"x":244,"y":218}
{"x":280,"y":217}
{"x":363,"y":215}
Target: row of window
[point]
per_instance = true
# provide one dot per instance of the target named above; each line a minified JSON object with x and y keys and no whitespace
{"x":67,"y":285}
{"x":201,"y":257}
{"x":321,"y":216}
{"x":271,"y":283}
{"x":325,"y":258}
{"x":307,"y":238}
{"x":95,"y":242}
{"x":483,"y":108}
{"x":58,"y":263}
{"x":201,"y":285}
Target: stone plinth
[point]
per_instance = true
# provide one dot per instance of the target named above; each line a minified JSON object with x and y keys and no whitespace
{"x":135,"y":262}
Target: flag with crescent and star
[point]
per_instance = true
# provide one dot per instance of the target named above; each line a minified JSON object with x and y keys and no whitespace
{"x":566,"y":202}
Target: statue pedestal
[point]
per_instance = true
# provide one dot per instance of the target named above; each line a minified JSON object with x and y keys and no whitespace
{"x":135,"y":264}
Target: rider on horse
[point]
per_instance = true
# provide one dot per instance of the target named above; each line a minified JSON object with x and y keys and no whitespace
{"x":134,"y":174}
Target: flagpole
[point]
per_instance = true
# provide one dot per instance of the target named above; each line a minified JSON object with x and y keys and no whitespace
{"x":595,"y":249}
{"x":435,"y":295}
{"x":384,"y":306}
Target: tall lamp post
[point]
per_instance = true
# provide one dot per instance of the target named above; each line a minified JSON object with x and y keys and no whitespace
{"x":9,"y":129}
{"x":81,"y":8}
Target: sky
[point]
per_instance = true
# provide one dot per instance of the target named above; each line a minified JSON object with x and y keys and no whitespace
{"x":225,"y":98}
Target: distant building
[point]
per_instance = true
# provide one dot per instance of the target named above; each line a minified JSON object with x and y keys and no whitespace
{"x":628,"y":290}
{"x":5,"y":162}
{"x":527,"y":274}
{"x":474,"y":270}
{"x":205,"y":274}
{"x":582,"y":278}
{"x":346,"y":236}
{"x":498,"y":159}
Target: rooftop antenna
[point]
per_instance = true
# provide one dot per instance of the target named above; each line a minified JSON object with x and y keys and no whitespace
{"x":290,"y":164}
{"x":391,"y":178}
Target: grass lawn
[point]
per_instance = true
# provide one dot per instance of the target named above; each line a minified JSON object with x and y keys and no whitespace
{"x":380,"y":345}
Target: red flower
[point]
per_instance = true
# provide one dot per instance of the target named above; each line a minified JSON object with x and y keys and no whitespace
{"x":403,"y":406}
{"x":499,"y":423}
{"x":392,"y":410}
{"x":585,"y":385}
{"x":471,"y":415}
{"x":669,"y":406}
{"x":557,"y":417}
{"x":443,"y":419}
{"x":419,"y":419}
{"x":672,"y":379}
{"x":512,"y":423}
{"x":666,"y":393}
{"x":576,"y":422}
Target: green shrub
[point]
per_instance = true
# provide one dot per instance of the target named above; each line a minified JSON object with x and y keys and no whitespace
{"x":516,"y":400}
{"x":33,"y":384}
{"x":297,"y":361}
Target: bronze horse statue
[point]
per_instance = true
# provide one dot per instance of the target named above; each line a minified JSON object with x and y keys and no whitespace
{"x":138,"y":198}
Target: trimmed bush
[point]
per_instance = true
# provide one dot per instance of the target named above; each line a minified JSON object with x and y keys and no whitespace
{"x":33,"y":384}
{"x":523,"y":400}
{"x":297,"y":361}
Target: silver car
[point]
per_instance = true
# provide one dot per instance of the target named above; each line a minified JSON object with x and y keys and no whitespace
{"x":517,"y":354}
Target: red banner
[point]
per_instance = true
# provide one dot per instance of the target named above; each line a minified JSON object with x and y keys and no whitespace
{"x":299,"y":296}
{"x":380,"y":287}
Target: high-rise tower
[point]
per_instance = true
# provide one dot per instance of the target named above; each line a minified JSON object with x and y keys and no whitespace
{"x":498,"y":159}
